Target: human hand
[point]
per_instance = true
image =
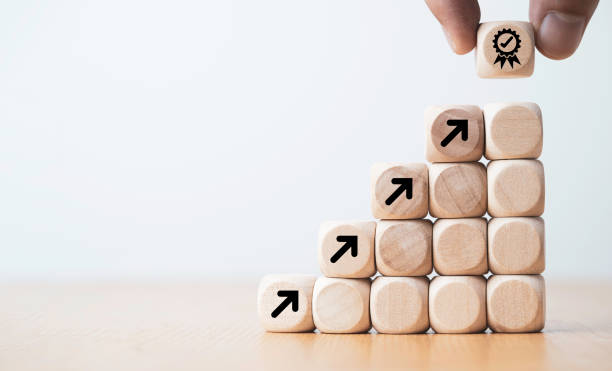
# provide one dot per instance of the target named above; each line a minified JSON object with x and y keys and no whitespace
{"x":559,"y":24}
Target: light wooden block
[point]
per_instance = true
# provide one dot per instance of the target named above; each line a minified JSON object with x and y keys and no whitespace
{"x":516,"y":245}
{"x":457,"y":190}
{"x":403,"y":248}
{"x":513,"y":130}
{"x":516,"y":303}
{"x":460,"y":246}
{"x":457,"y":304}
{"x":341,"y":305}
{"x":346,"y":249}
{"x":399,"y":191}
{"x":399,"y":305}
{"x":505,"y":49}
{"x":516,"y":188}
{"x":284,"y":302}
{"x":454,"y":133}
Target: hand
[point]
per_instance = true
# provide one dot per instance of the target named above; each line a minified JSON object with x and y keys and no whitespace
{"x":559,"y":24}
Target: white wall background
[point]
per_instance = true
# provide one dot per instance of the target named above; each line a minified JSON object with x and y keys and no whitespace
{"x":206,"y":138}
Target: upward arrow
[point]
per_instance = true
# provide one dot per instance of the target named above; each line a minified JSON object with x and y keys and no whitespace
{"x":405,"y":185}
{"x":461,"y":126}
{"x":291,"y":298}
{"x":350,"y":242}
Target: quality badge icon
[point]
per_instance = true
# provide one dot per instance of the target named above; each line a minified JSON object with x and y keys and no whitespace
{"x":506,"y":43}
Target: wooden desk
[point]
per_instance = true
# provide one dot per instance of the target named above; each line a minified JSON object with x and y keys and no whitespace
{"x":172,"y":326}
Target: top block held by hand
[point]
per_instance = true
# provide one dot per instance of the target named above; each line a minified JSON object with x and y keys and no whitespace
{"x":505,"y":49}
{"x":454,"y":133}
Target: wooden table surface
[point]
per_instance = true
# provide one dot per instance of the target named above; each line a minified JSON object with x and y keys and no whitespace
{"x":213,"y":326}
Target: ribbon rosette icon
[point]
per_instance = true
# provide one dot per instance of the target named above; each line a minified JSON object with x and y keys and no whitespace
{"x":506,"y":43}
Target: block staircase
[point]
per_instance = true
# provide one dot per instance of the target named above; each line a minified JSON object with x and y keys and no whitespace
{"x":461,"y":245}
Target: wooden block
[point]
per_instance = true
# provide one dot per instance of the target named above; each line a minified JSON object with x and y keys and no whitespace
{"x":457,"y":190}
{"x":516,"y":245}
{"x":399,"y":191}
{"x":284,"y":302}
{"x":454,"y":133}
{"x":403,"y":248}
{"x":513,"y":130}
{"x":460,"y":246}
{"x":516,"y":188}
{"x":505,"y":49}
{"x":516,"y":303}
{"x":341,"y":305}
{"x":457,"y":304}
{"x":346,"y":249}
{"x":399,"y":305}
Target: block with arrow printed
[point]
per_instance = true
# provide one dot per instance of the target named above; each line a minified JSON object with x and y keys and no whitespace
{"x":284,"y":302}
{"x":454,"y":133}
{"x":399,"y":190}
{"x":346,"y":249}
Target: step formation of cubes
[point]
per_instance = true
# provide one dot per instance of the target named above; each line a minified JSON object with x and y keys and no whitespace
{"x":461,"y":245}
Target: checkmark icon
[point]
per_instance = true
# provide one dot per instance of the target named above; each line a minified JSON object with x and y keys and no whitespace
{"x":507,"y":42}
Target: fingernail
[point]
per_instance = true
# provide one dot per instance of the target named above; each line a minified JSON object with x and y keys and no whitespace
{"x":560,"y":34}
{"x":450,"y":40}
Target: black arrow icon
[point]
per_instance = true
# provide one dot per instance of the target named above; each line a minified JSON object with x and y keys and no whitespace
{"x":405,"y":185}
{"x":291,"y":298}
{"x":461,"y":126}
{"x":350,"y":242}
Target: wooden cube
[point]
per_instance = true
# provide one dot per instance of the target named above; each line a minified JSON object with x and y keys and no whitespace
{"x":455,"y":133}
{"x":460,"y":246}
{"x":513,"y":130}
{"x":457,"y":304}
{"x":399,"y":191}
{"x":399,"y":305}
{"x":516,"y":303}
{"x":516,"y":245}
{"x":403,"y":248}
{"x":346,"y":249}
{"x":457,"y":190}
{"x":516,"y":188}
{"x":284,"y":302}
{"x":505,"y":49}
{"x":341,"y":305}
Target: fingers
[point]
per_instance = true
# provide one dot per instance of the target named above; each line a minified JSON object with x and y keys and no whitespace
{"x":459,"y":20}
{"x":560,"y":24}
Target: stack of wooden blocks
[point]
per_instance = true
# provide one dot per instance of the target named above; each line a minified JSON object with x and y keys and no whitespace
{"x":461,"y":245}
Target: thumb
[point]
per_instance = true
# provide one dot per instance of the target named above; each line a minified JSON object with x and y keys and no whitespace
{"x":560,"y":24}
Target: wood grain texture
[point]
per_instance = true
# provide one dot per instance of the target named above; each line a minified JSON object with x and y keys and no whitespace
{"x":437,"y":130}
{"x":382,"y":187}
{"x":513,"y":131}
{"x":460,"y":246}
{"x":457,"y":304}
{"x":403,"y":248}
{"x":164,"y":325}
{"x":516,"y":303}
{"x":516,"y":188}
{"x":347,"y":266}
{"x":457,"y":190}
{"x":268,"y":300}
{"x":341,"y":305}
{"x":486,"y":54}
{"x":399,"y":305}
{"x":517,"y":245}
